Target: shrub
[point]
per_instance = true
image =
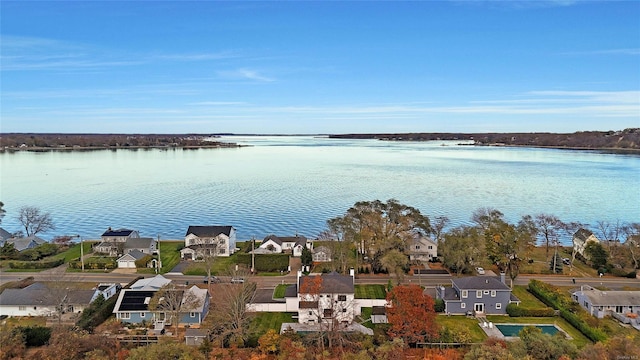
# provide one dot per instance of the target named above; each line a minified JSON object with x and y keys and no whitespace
{"x":35,"y":264}
{"x":96,"y":313}
{"x":34,"y":335}
{"x":594,"y":335}
{"x":632,"y":275}
{"x":517,"y":311}
{"x":439,"y":306}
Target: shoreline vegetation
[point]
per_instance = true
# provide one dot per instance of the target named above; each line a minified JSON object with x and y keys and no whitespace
{"x":617,"y":142}
{"x":35,"y":142}
{"x":620,"y":142}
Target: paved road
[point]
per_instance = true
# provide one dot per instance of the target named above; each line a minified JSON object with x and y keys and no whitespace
{"x":272,"y":281}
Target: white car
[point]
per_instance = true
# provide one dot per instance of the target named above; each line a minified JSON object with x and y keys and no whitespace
{"x":480,"y":271}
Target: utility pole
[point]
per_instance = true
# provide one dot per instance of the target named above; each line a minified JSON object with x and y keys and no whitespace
{"x":81,"y":252}
{"x":253,"y":254}
{"x":159,"y":262}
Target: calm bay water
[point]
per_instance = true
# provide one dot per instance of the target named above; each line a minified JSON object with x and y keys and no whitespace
{"x":293,"y":184}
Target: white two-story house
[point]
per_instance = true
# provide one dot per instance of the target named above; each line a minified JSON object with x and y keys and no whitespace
{"x":203,"y":241}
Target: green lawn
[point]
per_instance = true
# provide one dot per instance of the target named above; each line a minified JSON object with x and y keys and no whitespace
{"x":265,"y":321}
{"x":279,"y":291}
{"x":73,"y":253}
{"x":370,"y":292}
{"x":528,"y":301}
{"x":578,"y":338}
{"x":170,"y":254}
{"x":460,"y":321}
{"x":221,"y":266}
{"x":12,"y":322}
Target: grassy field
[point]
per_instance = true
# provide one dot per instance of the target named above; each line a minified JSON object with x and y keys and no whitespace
{"x":370,"y":292}
{"x":265,"y":321}
{"x":221,"y":266}
{"x":12,"y":322}
{"x":170,"y":254}
{"x":578,"y":339}
{"x":528,"y":301}
{"x":278,"y":293}
{"x":470,"y":324}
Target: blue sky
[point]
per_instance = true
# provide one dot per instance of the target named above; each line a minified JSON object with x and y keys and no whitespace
{"x":319,"y":67}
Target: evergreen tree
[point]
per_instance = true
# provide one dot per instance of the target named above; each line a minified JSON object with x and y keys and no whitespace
{"x":555,"y":265}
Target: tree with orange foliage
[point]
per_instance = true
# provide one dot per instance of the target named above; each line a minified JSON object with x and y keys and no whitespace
{"x":411,"y":315}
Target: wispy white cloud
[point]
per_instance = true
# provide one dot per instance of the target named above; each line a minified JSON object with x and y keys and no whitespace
{"x":245,"y":74}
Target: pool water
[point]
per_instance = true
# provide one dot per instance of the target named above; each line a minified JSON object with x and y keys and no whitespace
{"x":514,"y":330}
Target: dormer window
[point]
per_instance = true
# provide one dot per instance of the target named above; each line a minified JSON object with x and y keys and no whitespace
{"x":464,"y":293}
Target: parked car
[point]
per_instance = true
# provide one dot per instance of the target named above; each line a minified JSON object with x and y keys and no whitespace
{"x":214,"y":280}
{"x":566,"y":261}
{"x":237,"y":280}
{"x":480,"y":271}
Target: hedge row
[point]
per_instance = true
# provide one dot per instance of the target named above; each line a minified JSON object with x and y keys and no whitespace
{"x":553,"y":297}
{"x":95,"y":263}
{"x":35,"y":264}
{"x":573,"y":319}
{"x":266,"y":263}
{"x":515,"y":310}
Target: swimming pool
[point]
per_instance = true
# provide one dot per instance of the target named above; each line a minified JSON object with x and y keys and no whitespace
{"x":512,"y":330}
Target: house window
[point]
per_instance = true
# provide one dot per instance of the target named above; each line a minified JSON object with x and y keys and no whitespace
{"x":619,"y":309}
{"x":498,"y":306}
{"x":464,"y":293}
{"x":344,"y":310}
{"x":479,"y":294}
{"x":463,"y":305}
{"x":417,"y":247}
{"x":310,"y":312}
{"x":22,"y":308}
{"x":430,"y":247}
{"x":192,"y":314}
{"x":493,"y":293}
{"x":342,"y":297}
{"x":142,"y":315}
{"x":125,"y":315}
{"x":486,"y":292}
{"x":223,"y":251}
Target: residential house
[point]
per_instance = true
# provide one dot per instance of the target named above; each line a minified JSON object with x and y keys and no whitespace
{"x":580,"y":240}
{"x":132,"y":305}
{"x":477,"y":294}
{"x":325,"y":298}
{"x":379,"y":315}
{"x":601,"y":303}
{"x":422,"y":248}
{"x":291,"y":244}
{"x":106,"y":290}
{"x":145,"y":245}
{"x":195,"y":337}
{"x":113,"y":242}
{"x":321,"y":254}
{"x":24,"y":243}
{"x":40,"y":299}
{"x":4,"y":235}
{"x":203,"y":241}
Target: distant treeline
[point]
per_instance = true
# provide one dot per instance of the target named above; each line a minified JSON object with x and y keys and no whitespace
{"x":628,"y":139}
{"x":32,"y":141}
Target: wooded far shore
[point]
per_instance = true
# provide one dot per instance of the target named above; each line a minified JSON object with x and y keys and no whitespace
{"x":624,"y":141}
{"x":620,"y":141}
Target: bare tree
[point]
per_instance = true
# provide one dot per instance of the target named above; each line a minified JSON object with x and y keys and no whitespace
{"x":34,"y":221}
{"x":439,"y":223}
{"x":548,"y":226}
{"x":230,"y":318}
{"x":632,"y":233}
{"x":611,"y":233}
{"x":173,"y":301}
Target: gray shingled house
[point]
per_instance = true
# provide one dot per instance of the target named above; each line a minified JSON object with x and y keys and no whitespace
{"x":480,"y":295}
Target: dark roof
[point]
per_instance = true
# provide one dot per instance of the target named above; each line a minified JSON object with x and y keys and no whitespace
{"x":191,"y":332}
{"x":134,"y":300}
{"x":136,"y":254}
{"x":118,"y":232}
{"x":143,"y":242}
{"x":479,"y":283}
{"x":291,"y":291}
{"x":209,"y":231}
{"x":450,"y":294}
{"x":298,"y":239}
{"x":332,"y":283}
{"x":39,"y":294}
{"x":582,"y":234}
{"x":4,"y":234}
{"x":379,"y":310}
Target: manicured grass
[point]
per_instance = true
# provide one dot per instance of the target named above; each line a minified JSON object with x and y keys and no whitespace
{"x":460,"y":321}
{"x":528,"y":301}
{"x":370,"y":292}
{"x":221,"y":266}
{"x":578,"y":338}
{"x":279,"y":291}
{"x":365,"y":314}
{"x":170,"y":254}
{"x":265,"y":321}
